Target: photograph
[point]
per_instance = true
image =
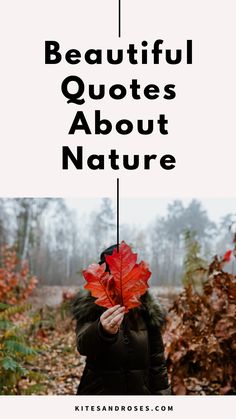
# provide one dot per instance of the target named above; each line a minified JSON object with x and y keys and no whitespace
{"x":83,"y":314}
{"x":117,"y":209}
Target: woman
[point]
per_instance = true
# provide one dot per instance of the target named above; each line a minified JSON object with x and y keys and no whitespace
{"x":125,"y":353}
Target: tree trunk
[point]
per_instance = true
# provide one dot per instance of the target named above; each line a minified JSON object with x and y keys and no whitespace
{"x":27,"y":234}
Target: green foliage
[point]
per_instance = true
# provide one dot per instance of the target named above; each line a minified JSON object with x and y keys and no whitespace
{"x":3,"y":306}
{"x":18,"y":348}
{"x":8,"y":364}
{"x":9,"y":311}
{"x":4,"y":324}
{"x":15,"y":352}
{"x":194,"y":265}
{"x":34,"y":389}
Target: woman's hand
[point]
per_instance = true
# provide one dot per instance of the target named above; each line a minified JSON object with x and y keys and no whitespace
{"x":112,"y":318}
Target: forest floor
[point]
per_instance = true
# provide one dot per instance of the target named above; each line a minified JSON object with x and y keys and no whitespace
{"x":62,"y":366}
{"x":59,"y":360}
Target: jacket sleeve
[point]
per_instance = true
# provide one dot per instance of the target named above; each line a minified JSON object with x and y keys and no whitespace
{"x":91,"y":339}
{"x":158,"y":377}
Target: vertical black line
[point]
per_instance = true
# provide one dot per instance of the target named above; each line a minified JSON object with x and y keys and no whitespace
{"x":119,"y":18}
{"x":118,"y":213}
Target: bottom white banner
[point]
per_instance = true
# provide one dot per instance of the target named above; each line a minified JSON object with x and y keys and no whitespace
{"x":71,"y":407}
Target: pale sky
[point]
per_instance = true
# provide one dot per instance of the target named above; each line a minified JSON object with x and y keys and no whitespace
{"x":140,"y":211}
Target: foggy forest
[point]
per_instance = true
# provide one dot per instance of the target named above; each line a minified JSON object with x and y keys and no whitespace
{"x":45,"y":244}
{"x":58,"y":244}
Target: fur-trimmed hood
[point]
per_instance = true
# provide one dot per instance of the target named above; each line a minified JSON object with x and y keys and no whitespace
{"x":84,"y":309}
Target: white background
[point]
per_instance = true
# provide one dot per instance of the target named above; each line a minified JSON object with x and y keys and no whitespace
{"x":35,"y":119}
{"x":184,"y":407}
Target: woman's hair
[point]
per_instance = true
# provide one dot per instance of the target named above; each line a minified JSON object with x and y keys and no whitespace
{"x":106,"y":252}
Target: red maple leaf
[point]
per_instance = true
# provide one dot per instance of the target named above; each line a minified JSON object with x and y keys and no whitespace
{"x":100,"y":284}
{"x":125,"y":283}
{"x":227,"y":256}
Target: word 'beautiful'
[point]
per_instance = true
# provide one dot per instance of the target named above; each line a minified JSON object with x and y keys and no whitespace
{"x":134,"y":55}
